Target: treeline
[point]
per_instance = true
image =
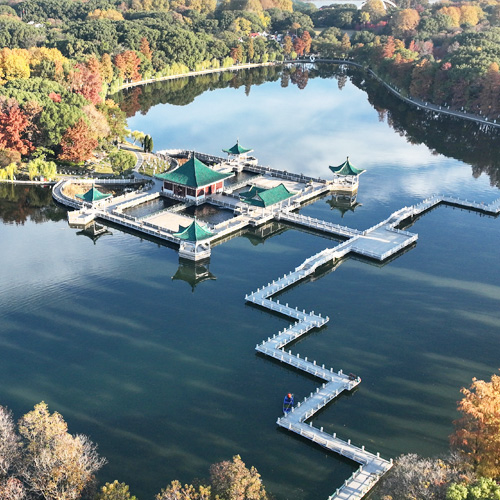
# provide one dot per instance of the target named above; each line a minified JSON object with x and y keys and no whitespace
{"x":40,"y":459}
{"x":471,"y":470}
{"x":61,"y":59}
{"x":447,"y":54}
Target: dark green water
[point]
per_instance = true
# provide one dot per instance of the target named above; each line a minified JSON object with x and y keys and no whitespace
{"x":165,"y":378}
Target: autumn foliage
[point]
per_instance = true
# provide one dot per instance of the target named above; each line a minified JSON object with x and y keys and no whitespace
{"x":477,"y":434}
{"x":78,"y":143}
{"x":13,"y":123}
{"x":128,"y":64}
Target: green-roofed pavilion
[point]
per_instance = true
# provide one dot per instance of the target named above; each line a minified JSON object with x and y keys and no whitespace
{"x":193,"y":181}
{"x":237,"y":150}
{"x":346,"y":168}
{"x":264,"y":198}
{"x":194,"y":232}
{"x":93,"y":195}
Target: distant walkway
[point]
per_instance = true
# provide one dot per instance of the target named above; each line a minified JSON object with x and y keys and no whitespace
{"x":410,"y":100}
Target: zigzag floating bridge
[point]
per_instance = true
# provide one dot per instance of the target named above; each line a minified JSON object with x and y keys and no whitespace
{"x":379,"y":242}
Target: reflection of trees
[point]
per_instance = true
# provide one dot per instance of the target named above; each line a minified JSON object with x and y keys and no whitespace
{"x":18,"y":203}
{"x":449,"y":136}
{"x":452,"y":137}
{"x":183,"y":91}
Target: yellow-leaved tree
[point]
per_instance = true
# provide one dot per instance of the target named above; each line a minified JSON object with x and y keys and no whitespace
{"x":56,"y":465}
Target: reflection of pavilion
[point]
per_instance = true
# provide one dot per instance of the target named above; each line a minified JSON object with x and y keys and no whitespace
{"x":343,"y":204}
{"x":94,"y":232}
{"x":193,"y":273}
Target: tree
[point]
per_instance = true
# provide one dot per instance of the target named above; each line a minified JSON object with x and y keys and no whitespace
{"x":106,"y":69}
{"x":237,"y":53}
{"x":477,"y":432}
{"x":175,"y":491}
{"x":115,"y":491}
{"x":78,"y":143}
{"x":250,"y":49}
{"x":413,"y":477}
{"x":287,"y":45}
{"x":10,"y":445}
{"x":306,"y":38}
{"x":482,"y":489}
{"x":145,"y":49}
{"x":13,"y":123}
{"x":86,"y":80}
{"x":233,"y":481}
{"x":299,"y":46}
{"x":14,"y":64}
{"x":148,"y":144}
{"x":122,"y":161}
{"x":39,"y":166}
{"x":405,"y":22}
{"x":56,"y":464}
{"x":375,"y":8}
{"x":128,"y":64}
{"x":345,"y":43}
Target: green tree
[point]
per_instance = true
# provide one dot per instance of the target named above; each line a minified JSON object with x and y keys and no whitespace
{"x":122,"y":161}
{"x":482,"y":489}
{"x":115,"y":491}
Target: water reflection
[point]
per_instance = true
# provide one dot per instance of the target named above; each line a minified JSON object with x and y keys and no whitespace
{"x":18,"y":204}
{"x":319,"y":124}
{"x":94,"y":231}
{"x":193,"y":273}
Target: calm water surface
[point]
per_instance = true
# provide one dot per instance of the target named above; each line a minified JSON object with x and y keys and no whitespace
{"x":162,"y":373}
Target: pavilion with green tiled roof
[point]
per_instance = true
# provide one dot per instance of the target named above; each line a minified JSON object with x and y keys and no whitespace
{"x":346,"y":169}
{"x":193,"y":181}
{"x":194,"y":232}
{"x":237,"y":150}
{"x":93,"y":195}
{"x":260,"y":197}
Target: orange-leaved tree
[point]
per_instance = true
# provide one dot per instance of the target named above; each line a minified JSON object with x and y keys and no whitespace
{"x":78,"y":142}
{"x":477,"y":432}
{"x":13,"y":124}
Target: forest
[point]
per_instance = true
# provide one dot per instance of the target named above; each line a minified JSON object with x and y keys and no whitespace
{"x":62,"y":60}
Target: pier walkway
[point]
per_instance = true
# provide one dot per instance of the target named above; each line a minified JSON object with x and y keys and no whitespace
{"x":372,"y":466}
{"x":378,"y":242}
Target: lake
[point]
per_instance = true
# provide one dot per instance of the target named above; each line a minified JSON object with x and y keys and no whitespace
{"x":158,"y":366}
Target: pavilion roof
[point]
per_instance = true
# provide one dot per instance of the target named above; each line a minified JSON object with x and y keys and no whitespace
{"x":193,"y":232}
{"x":237,"y":149}
{"x":260,"y":197}
{"x":92,"y":195}
{"x":193,"y":173}
{"x":346,"y":169}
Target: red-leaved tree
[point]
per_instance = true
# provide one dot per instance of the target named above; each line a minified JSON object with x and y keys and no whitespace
{"x":13,"y":123}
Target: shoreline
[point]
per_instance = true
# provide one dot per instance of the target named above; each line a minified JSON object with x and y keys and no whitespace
{"x":313,"y":60}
